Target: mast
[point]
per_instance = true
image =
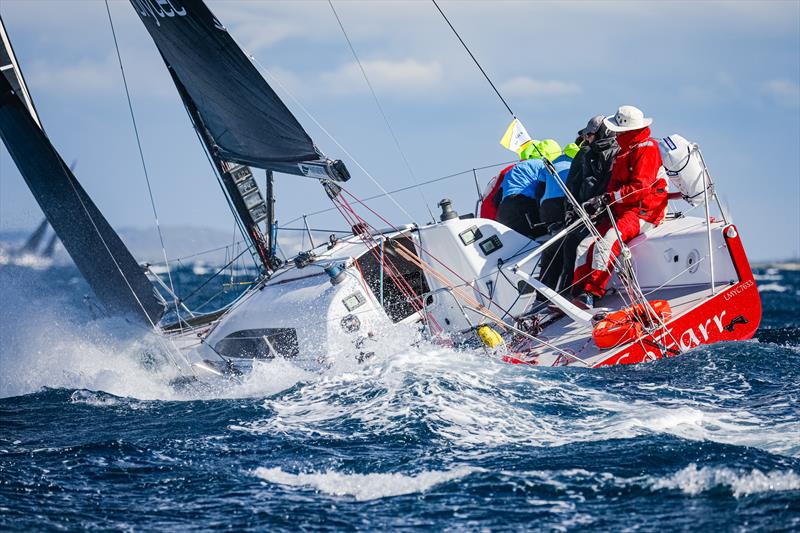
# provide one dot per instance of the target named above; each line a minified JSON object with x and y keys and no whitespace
{"x":272,"y":224}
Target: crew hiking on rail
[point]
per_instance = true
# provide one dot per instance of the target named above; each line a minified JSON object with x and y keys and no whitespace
{"x":614,"y":163}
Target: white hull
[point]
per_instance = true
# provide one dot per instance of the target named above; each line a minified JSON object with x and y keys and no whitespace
{"x":301,"y":314}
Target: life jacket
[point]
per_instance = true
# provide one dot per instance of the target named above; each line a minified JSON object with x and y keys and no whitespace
{"x":626,"y":325}
{"x":493,"y":195}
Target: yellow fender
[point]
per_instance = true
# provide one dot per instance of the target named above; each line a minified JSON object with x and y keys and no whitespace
{"x":489,"y":336}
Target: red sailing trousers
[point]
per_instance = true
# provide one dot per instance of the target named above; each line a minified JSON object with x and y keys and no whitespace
{"x":596,"y":256}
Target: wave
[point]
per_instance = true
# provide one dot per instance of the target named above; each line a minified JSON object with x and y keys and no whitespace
{"x":772,"y":287}
{"x":728,"y":393}
{"x":694,"y":481}
{"x":474,"y":404}
{"x":364,"y":487}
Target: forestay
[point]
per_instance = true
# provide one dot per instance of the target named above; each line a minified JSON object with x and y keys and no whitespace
{"x":247,"y":121}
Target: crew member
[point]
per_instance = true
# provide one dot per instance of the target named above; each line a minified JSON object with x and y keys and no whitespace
{"x":551,"y":203}
{"x":551,"y":211}
{"x":522,"y":189}
{"x":637,"y":194}
{"x":586,"y":137}
{"x":587,"y":179}
{"x":493,"y":194}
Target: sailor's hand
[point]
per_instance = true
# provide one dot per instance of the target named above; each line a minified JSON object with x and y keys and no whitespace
{"x":570,"y":217}
{"x":597,"y":203}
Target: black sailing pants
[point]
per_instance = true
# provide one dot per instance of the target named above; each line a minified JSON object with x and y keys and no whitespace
{"x":521,"y":213}
{"x":551,"y":262}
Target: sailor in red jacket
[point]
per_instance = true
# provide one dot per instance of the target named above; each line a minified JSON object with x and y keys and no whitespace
{"x":637,"y":194}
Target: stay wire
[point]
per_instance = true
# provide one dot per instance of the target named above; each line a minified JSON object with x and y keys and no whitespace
{"x":381,"y":110}
{"x":474,"y":59}
{"x":141,"y":157}
{"x":402,"y":189}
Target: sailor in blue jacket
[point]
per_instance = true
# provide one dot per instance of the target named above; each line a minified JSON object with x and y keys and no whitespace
{"x":519,"y":208}
{"x":525,"y":185}
{"x":551,"y":202}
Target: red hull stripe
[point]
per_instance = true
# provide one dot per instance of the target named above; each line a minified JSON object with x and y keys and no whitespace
{"x":732,"y":314}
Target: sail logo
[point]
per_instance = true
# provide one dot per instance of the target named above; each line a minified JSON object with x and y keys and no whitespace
{"x":159,"y":9}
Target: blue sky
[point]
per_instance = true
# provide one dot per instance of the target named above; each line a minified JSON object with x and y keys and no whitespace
{"x":723,"y":74}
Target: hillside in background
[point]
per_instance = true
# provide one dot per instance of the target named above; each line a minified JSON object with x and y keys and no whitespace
{"x":180,"y":242}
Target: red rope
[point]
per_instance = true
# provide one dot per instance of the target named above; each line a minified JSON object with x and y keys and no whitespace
{"x":456,"y":274}
{"x":350,"y":216}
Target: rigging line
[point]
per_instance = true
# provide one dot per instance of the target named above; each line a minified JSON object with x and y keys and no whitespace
{"x":141,"y":156}
{"x":475,"y":60}
{"x":185,"y":257}
{"x":402,"y":189}
{"x":326,"y":132}
{"x":380,"y":109}
{"x":217,"y":273}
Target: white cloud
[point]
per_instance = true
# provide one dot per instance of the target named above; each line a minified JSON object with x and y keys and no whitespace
{"x":84,"y":76}
{"x":526,"y":86}
{"x":99,"y":76}
{"x":387,"y":75}
{"x":782,"y":91}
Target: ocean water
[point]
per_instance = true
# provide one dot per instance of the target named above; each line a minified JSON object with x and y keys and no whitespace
{"x":92,"y":436}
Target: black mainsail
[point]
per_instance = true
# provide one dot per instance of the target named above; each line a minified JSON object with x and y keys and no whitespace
{"x":238,"y":116}
{"x":98,"y":252}
{"x":247,"y":122}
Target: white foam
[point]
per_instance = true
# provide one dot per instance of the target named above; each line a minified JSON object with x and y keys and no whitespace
{"x":694,"y":481}
{"x":266,"y":378}
{"x":363,"y":487}
{"x":476,"y":404}
{"x":97,"y":399}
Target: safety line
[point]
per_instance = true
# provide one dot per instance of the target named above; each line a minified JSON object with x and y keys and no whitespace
{"x":402,"y":189}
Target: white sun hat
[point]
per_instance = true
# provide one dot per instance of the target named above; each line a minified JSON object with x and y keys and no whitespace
{"x":628,"y":118}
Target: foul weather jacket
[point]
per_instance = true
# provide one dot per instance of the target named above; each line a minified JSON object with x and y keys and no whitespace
{"x":636,"y":183}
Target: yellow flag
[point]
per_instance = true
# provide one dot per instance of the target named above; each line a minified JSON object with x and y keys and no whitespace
{"x":516,"y":137}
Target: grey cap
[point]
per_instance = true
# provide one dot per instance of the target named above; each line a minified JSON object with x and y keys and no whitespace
{"x":593,"y":125}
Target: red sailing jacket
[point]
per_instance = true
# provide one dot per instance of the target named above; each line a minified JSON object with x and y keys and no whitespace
{"x":488,"y":205}
{"x":635,"y":182}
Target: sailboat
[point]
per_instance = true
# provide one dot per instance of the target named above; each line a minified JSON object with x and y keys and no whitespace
{"x":462,"y":281}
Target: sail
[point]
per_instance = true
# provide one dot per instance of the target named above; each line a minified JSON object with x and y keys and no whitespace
{"x":247,"y":121}
{"x":12,"y":73}
{"x":35,"y":239}
{"x":50,"y":249}
{"x":98,"y":252}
